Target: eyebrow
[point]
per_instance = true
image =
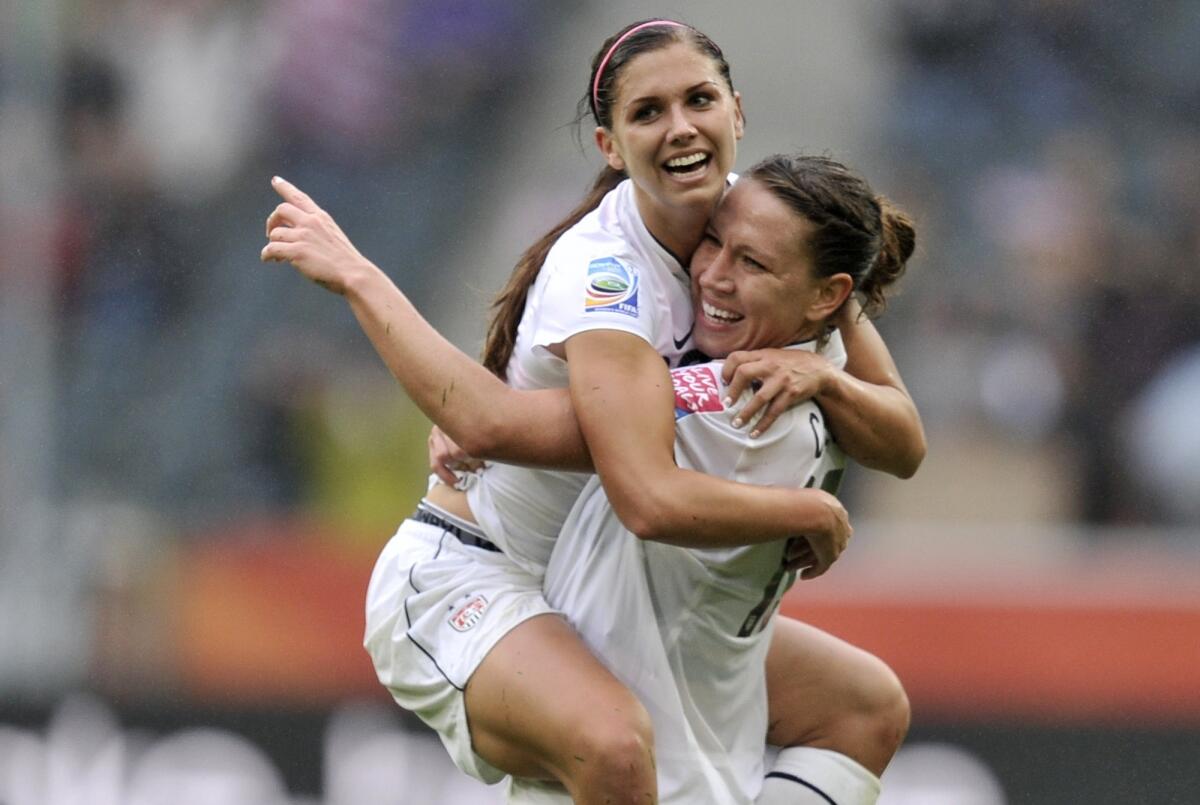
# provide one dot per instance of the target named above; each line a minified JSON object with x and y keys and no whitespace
{"x":687,"y":91}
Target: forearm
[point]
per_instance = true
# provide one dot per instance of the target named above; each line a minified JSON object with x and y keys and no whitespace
{"x":876,"y":425}
{"x":486,"y":417}
{"x":869,"y":410}
{"x":694,"y":510}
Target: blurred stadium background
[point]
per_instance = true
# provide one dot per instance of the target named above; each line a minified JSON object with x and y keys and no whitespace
{"x":200,"y":455}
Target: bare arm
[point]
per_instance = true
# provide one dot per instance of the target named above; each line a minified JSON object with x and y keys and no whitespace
{"x":625,"y":404}
{"x":871,"y":414}
{"x":485,"y":416}
{"x":869,"y":410}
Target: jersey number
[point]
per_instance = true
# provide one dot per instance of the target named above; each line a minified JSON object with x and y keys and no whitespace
{"x":781,"y":580}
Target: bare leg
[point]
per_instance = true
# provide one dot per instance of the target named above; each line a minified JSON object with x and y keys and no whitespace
{"x":825,"y":693}
{"x":542,"y":706}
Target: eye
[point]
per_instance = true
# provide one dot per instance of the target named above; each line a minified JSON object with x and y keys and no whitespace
{"x":701,"y":100}
{"x":710,"y":236}
{"x":753,"y":264}
{"x":645,"y":112}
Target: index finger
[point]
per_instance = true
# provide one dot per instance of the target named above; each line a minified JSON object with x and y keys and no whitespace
{"x":748,"y":373}
{"x":295,"y":195}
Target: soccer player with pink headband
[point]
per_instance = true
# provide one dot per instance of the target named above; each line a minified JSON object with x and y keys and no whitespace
{"x":457,"y":626}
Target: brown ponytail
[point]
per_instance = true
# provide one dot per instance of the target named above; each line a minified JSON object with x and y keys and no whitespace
{"x":510,"y":303}
{"x":899,"y":239}
{"x":855,"y":232}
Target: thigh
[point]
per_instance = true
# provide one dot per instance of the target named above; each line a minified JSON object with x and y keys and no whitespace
{"x":540,"y":700}
{"x":824,"y":692}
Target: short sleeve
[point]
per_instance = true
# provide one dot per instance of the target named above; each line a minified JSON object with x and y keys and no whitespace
{"x":593,"y":291}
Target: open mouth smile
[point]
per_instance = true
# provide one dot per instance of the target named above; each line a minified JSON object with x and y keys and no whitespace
{"x":719,"y":315}
{"x":686,"y":166}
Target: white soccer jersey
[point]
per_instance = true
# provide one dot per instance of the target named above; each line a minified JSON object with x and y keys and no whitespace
{"x":688,"y":629}
{"x":605,"y":273}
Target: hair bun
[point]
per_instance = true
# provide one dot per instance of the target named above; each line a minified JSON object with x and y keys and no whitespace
{"x":899,"y":241}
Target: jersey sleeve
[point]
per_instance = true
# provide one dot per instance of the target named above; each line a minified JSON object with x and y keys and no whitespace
{"x":594,"y":289}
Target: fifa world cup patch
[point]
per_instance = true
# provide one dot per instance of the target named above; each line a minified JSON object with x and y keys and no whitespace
{"x":611,"y":286}
{"x":469,"y":613}
{"x":697,"y":390}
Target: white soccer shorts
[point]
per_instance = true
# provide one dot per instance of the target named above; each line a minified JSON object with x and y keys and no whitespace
{"x":435,"y":608}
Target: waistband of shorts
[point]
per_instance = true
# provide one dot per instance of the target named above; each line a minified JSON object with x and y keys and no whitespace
{"x":464,"y":532}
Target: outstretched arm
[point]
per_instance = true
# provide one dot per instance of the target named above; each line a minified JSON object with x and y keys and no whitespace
{"x":869,"y":410}
{"x":625,"y":403}
{"x":486,"y":417}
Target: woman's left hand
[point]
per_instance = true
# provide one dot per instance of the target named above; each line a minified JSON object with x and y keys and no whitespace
{"x":301,"y":233}
{"x":446,"y":457}
{"x":780,"y":379}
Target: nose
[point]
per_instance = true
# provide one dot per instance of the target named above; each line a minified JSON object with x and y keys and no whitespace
{"x":681,"y":129}
{"x":713,"y":270}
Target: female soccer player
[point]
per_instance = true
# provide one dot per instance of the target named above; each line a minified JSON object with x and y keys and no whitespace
{"x":669,"y":119}
{"x":688,"y":629}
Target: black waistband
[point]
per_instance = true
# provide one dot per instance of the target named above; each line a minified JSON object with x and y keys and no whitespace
{"x":423,"y":515}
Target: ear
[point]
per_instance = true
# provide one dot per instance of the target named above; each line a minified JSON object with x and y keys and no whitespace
{"x":833,"y":293}
{"x":608,"y":147}
{"x":739,"y":125}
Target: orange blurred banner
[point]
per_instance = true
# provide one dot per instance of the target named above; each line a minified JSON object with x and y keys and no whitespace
{"x":278,"y":618}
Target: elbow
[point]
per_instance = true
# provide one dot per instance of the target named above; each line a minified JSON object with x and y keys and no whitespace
{"x":911,"y":447}
{"x":649,"y":530}
{"x":899,"y":459}
{"x":647,"y":526}
{"x":492,"y":431}
{"x":646,"y":515}
{"x":483,"y":438}
{"x":910,"y":460}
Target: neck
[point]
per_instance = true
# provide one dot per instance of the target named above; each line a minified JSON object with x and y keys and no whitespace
{"x":678,"y":229}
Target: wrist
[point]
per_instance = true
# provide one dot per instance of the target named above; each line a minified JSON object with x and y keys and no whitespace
{"x":360,"y":277}
{"x":827,"y":381}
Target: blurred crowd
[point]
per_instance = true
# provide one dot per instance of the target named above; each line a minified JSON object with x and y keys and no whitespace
{"x":1053,"y":150}
{"x":1049,"y":147}
{"x":193,"y":379}
{"x":1049,"y":330}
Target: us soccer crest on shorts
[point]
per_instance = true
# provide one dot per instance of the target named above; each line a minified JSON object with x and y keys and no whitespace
{"x":469,"y":613}
{"x":611,"y":286}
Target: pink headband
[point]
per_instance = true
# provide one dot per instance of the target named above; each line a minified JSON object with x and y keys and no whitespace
{"x":611,"y":50}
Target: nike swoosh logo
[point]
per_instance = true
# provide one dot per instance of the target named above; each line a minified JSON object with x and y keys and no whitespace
{"x":679,"y":342}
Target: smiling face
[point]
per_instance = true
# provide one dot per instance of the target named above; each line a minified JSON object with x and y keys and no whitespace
{"x":675,"y":126}
{"x":753,"y":282}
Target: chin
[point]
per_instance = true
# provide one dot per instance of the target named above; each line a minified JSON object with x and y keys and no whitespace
{"x":713,"y":347}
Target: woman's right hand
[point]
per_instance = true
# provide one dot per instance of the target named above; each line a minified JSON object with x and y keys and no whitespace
{"x":826,"y":541}
{"x":301,"y":233}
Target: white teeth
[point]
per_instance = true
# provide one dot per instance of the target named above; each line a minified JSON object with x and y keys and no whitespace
{"x":717,"y":313}
{"x":683,"y":162}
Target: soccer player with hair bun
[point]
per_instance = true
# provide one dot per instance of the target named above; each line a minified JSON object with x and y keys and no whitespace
{"x":579,"y":349}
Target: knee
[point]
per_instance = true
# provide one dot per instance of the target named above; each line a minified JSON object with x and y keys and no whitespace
{"x":887,"y":710}
{"x":869,"y":720}
{"x":615,"y":746}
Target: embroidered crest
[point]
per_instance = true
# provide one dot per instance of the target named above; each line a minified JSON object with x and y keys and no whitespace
{"x":469,"y":614}
{"x":611,"y":286}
